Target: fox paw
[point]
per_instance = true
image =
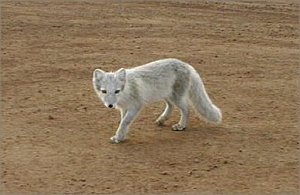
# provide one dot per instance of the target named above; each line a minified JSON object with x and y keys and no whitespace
{"x":115,"y":139}
{"x":159,"y":122}
{"x":178,"y":127}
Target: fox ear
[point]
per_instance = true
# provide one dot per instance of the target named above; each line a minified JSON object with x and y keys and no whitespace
{"x":121,"y":74}
{"x":98,"y":74}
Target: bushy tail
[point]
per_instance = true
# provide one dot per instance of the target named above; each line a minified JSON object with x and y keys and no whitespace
{"x":201,"y":102}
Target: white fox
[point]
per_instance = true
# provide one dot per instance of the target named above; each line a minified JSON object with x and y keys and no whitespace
{"x":171,"y":80}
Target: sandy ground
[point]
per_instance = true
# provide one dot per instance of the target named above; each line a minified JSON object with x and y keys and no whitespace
{"x":55,"y":132}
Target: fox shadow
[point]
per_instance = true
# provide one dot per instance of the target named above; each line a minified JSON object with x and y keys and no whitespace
{"x":163,"y":142}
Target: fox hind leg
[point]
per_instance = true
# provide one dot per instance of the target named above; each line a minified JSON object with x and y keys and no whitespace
{"x":180,"y":98}
{"x":166,"y":113}
{"x":184,"y":111}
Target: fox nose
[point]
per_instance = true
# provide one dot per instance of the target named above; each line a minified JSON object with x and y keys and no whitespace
{"x":110,"y":106}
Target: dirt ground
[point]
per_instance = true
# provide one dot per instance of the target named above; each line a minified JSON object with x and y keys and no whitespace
{"x":55,"y":131}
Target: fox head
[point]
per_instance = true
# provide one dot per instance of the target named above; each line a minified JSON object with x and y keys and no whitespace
{"x":109,"y":85}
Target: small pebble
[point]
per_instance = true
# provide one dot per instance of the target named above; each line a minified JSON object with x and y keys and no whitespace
{"x":50,"y":117}
{"x":164,"y":173}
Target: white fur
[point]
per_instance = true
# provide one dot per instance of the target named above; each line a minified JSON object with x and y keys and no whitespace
{"x":170,"y":80}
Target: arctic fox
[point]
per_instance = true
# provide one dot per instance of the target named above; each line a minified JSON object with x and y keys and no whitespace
{"x":171,"y":80}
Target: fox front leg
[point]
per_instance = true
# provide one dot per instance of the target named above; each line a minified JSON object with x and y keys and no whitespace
{"x":126,"y":119}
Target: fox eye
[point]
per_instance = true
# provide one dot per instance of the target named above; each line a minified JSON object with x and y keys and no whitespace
{"x":103,"y":91}
{"x":117,"y":91}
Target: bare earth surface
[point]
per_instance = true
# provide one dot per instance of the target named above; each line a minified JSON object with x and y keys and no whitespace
{"x":55,"y":131}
